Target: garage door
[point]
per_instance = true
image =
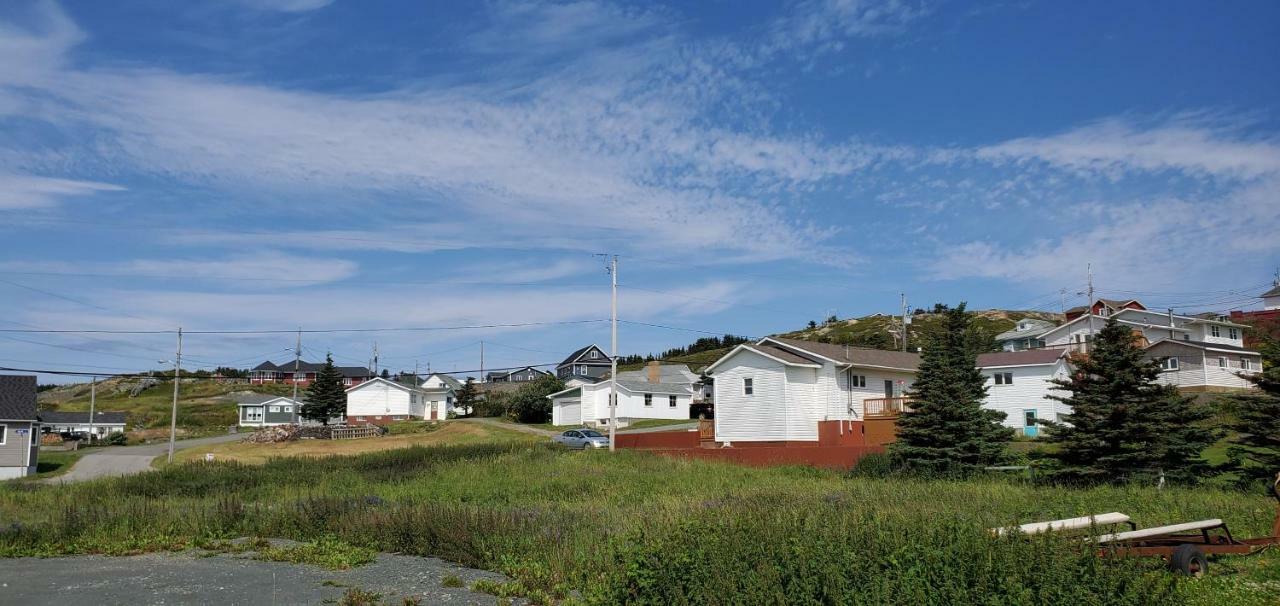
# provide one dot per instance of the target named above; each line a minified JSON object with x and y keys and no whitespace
{"x":567,"y":412}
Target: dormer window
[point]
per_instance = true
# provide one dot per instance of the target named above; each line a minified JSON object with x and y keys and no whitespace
{"x":1233,"y":334}
{"x":1215,"y":330}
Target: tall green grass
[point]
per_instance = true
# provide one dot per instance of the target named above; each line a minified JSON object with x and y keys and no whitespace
{"x":635,"y":528}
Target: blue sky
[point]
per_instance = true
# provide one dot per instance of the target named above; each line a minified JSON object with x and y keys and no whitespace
{"x":241,"y":164}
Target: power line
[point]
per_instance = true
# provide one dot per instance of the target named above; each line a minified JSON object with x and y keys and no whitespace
{"x":77,"y":373}
{"x":694,"y":330}
{"x":304,"y":331}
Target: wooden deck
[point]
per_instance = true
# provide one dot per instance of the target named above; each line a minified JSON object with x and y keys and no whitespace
{"x":885,"y":408}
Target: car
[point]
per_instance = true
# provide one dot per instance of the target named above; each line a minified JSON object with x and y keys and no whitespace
{"x":583,"y":438}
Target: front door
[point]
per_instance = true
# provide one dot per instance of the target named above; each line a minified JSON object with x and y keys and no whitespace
{"x":434,"y":405}
{"x":888,"y":388}
{"x":1029,"y":427}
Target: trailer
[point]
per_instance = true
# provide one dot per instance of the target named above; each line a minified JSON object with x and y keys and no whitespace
{"x":1186,"y":547}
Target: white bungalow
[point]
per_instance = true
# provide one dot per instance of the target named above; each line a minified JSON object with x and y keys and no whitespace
{"x":779,"y":389}
{"x":440,"y":391}
{"x":657,"y":392}
{"x":380,"y":401}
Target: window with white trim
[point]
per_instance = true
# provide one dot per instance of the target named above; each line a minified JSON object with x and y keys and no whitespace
{"x":593,"y":354}
{"x":1003,"y":378}
{"x":1233,"y":333}
{"x":4,"y":434}
{"x":747,"y":387}
{"x":1222,"y":361}
{"x":648,"y":399}
{"x":857,"y":381}
{"x":1215,"y":331}
{"x":671,"y":401}
{"x":1244,"y":364}
{"x":286,"y":409}
{"x":1169,"y":364}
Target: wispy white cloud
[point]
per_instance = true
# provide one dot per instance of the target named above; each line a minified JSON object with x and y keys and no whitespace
{"x":1115,"y":147}
{"x":268,"y":266}
{"x":28,"y":191}
{"x":814,"y":27}
{"x":286,"y":6}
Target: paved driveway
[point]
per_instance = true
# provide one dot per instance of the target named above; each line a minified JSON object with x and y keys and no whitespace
{"x":127,"y":460}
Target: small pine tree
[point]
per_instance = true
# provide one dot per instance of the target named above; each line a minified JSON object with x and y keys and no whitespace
{"x":1123,"y":424}
{"x":948,"y":431}
{"x":326,"y":398}
{"x":465,"y":401}
{"x":1255,"y":426}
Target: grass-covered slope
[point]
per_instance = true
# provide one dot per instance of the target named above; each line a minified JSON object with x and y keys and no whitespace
{"x":642,"y":529}
{"x":202,"y":403}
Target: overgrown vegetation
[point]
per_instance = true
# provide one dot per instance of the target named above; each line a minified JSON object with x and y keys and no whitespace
{"x":644,"y":529}
{"x":204,"y":403}
{"x":528,"y":404}
{"x":1254,"y":420}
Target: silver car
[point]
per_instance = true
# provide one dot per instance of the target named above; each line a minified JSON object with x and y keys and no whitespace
{"x":583,"y":438}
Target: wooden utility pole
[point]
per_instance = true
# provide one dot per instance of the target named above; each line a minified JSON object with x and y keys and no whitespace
{"x":297,"y":362}
{"x":613,"y":355}
{"x":173,"y":414}
{"x":93,"y":400}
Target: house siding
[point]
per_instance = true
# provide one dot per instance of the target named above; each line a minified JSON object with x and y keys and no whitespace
{"x":760,"y":416}
{"x":1198,"y":368}
{"x":1029,"y":391}
{"x":17,"y":457}
{"x":374,"y":399}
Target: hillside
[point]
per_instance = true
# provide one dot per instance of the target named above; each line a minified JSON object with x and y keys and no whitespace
{"x":875,"y":331}
{"x":201,"y":403}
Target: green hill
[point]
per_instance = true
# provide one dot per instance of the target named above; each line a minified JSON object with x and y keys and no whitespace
{"x":201,"y":402}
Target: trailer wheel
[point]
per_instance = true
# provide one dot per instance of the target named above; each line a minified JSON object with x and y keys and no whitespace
{"x":1188,"y":560}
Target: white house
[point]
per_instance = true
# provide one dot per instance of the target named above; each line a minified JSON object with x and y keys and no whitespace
{"x":1271,"y":298}
{"x":1026,"y":334}
{"x":104,"y":422}
{"x":379,"y":400}
{"x":440,"y":391}
{"x":1197,"y":366}
{"x":1152,"y":325}
{"x":657,"y":392}
{"x":779,"y":389}
{"x":1018,"y":384}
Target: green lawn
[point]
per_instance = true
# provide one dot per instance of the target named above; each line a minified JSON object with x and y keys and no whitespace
{"x":646,"y":423}
{"x":638,"y":528}
{"x":200,"y":403}
{"x":52,"y":463}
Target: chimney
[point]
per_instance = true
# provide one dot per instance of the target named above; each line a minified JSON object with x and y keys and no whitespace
{"x":655,"y":373}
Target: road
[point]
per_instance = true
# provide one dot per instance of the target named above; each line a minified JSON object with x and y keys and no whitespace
{"x":126,"y":460}
{"x":205,"y":578}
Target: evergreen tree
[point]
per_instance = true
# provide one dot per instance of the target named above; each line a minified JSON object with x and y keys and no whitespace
{"x":326,"y":397}
{"x":1124,"y":425}
{"x":386,"y":374}
{"x":465,"y":402}
{"x":948,"y":430}
{"x":1255,"y":424}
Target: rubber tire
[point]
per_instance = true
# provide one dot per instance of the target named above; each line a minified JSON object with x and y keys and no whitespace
{"x":1188,"y":560}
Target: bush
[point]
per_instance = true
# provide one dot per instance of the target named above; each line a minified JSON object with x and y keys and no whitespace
{"x":401,"y":428}
{"x":874,"y":465}
{"x":116,"y":439}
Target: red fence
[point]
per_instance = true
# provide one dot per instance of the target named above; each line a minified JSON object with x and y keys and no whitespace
{"x":657,"y":439}
{"x":839,"y":446}
{"x":830,"y":457}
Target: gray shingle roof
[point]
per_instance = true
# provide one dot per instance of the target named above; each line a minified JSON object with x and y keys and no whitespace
{"x":658,"y":388}
{"x":667,"y":373}
{"x":857,"y":356}
{"x":70,"y":417}
{"x":1204,"y":345}
{"x":347,"y":371}
{"x":1019,"y":358}
{"x":573,"y":357}
{"x":17,"y":398}
{"x":1274,"y":292}
{"x":255,"y":398}
{"x":781,"y":354}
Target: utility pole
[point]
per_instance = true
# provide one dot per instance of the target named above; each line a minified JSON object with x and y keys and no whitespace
{"x":904,"y":321}
{"x":1089,"y":342}
{"x":1062,"y":301}
{"x":375,"y":358}
{"x":415,"y":373}
{"x":93,"y":400}
{"x":613,"y":355}
{"x":173,"y":414}
{"x":482,"y":361}
{"x":1170,"y":323}
{"x":297,"y":362}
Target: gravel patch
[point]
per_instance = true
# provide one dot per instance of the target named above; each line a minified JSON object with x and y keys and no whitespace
{"x":200,"y":577}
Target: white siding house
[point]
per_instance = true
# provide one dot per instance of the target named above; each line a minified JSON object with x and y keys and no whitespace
{"x":439,"y":391}
{"x":666,"y":392}
{"x":1201,"y":366}
{"x":1018,"y":384}
{"x":381,"y":400}
{"x":780,"y":389}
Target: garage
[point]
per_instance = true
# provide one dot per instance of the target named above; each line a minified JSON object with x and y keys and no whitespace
{"x":566,"y":407}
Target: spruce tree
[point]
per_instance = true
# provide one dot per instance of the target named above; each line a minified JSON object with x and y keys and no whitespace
{"x":326,"y":397}
{"x":1255,"y":422}
{"x":465,"y":402}
{"x":948,"y":431}
{"x":1123,"y":424}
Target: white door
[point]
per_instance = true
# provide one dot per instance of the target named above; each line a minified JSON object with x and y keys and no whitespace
{"x":569,"y":412}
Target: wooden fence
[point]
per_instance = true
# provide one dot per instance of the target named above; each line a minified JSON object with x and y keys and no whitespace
{"x":352,"y":433}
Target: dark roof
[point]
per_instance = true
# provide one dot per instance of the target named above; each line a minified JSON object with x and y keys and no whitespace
{"x":347,"y":371}
{"x":18,"y":397}
{"x":1204,"y":345}
{"x":781,"y":354}
{"x":82,"y":417}
{"x":256,"y":398}
{"x":857,"y":356}
{"x":507,"y":373}
{"x":1274,"y":292}
{"x":573,"y":357}
{"x":1019,"y":358}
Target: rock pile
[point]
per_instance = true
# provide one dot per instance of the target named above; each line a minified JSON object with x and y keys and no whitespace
{"x":269,"y":435}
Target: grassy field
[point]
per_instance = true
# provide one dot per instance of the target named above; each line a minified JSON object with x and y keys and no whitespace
{"x":200,"y":403}
{"x":454,"y":433}
{"x":637,"y":528}
{"x":57,"y":462}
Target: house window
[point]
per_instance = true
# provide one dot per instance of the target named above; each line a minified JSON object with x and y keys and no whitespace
{"x":361,"y":418}
{"x":857,"y":381}
{"x":1003,"y":378}
{"x":747,"y":388}
{"x":671,"y":401}
{"x":1169,"y":364}
{"x":346,"y":381}
{"x":286,"y":409}
{"x":593,"y":355}
{"x":1215,"y":331}
{"x":275,"y":409}
{"x":4,"y":434}
{"x":1244,"y":364}
{"x":648,"y":399}
{"x":1233,"y":333}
